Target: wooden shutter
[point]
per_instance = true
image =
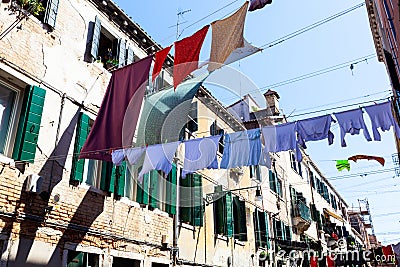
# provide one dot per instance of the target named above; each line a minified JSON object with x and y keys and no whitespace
{"x":142,"y":193}
{"x":130,"y":56}
{"x":242,"y":221}
{"x":263,"y":222}
{"x":82,"y":132}
{"x":185,"y":199}
{"x":229,"y":214}
{"x":51,"y":12}
{"x":266,"y":235}
{"x":121,"y":53}
{"x":288,"y":233}
{"x":154,"y":189}
{"x":257,"y":231}
{"x":198,"y":205}
{"x":29,"y":124}
{"x":120,"y":172}
{"x":95,"y":38}
{"x":171,"y":191}
{"x":76,"y":259}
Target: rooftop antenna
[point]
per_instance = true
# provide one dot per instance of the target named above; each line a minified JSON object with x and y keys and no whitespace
{"x":179,"y":14}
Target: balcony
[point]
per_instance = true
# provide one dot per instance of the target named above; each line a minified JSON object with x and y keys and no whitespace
{"x":301,"y":216}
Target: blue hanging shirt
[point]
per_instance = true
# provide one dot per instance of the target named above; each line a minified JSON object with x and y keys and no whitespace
{"x":381,"y":116}
{"x":351,"y":121}
{"x":315,"y":129}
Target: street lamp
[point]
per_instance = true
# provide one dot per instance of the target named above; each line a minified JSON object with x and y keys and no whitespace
{"x":212,"y":197}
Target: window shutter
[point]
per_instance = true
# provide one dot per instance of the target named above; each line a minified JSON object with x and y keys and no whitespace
{"x":197,"y":207}
{"x":108,"y":173}
{"x":171,"y":191}
{"x":257,"y":229}
{"x":229,"y":214}
{"x":120,"y":172}
{"x":272,"y":181}
{"x":142,"y":195}
{"x":185,"y":199}
{"x":51,"y":12}
{"x":242,"y":221}
{"x":153,"y":189}
{"x":95,"y":38}
{"x":130,"y":56}
{"x":121,"y":53}
{"x":266,"y":235}
{"x":29,"y":124}
{"x":82,"y":132}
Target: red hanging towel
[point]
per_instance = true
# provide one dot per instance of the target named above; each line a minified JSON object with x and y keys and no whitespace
{"x":330,"y":261}
{"x":313,"y":261}
{"x":159,"y":61}
{"x":187,"y":53}
{"x":388,"y":252}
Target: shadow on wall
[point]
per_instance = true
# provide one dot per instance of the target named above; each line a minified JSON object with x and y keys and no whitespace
{"x":22,"y":252}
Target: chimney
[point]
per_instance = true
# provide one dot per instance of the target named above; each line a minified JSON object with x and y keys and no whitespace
{"x":272,"y":99}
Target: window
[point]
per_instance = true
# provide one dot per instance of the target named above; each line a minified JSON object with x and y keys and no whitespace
{"x":261,"y":229}
{"x":275,"y":183}
{"x":192,"y":124}
{"x":300,"y":171}
{"x":239,"y":219}
{"x":191,"y":200}
{"x":82,"y":259}
{"x":48,"y":15}
{"x":158,"y":192}
{"x":111,"y":51}
{"x":123,"y":262}
{"x":7,"y":106}
{"x":215,"y":130}
{"x":288,"y":233}
{"x":293,"y":162}
{"x":99,"y":174}
{"x":255,"y":172}
{"x":279,"y":229}
{"x":312,"y":179}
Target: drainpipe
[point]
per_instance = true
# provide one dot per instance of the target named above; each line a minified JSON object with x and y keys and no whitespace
{"x":56,"y":141}
{"x":175,"y":248}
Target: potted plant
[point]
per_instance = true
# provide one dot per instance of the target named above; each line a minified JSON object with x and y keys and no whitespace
{"x":35,"y":7}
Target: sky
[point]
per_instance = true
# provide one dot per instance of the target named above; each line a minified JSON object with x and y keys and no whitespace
{"x":345,"y":39}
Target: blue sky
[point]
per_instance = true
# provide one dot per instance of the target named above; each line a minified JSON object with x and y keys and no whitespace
{"x":341,"y":40}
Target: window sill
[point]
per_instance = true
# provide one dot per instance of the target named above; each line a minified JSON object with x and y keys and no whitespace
{"x":221,"y":237}
{"x":240,"y":243}
{"x":187,"y":226}
{"x":6,"y":160}
{"x":160,"y":212}
{"x":129,"y":202}
{"x":92,"y":189}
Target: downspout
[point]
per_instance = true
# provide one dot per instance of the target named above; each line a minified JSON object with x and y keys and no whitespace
{"x":175,"y":248}
{"x":57,"y":139}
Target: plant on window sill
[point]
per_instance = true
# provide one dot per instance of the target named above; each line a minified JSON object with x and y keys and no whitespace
{"x":111,"y":64}
{"x":34,"y":7}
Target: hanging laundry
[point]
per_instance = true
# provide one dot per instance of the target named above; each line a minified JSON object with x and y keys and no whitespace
{"x":159,"y":61}
{"x":127,"y":85}
{"x":281,"y":138}
{"x":117,"y":157}
{"x":342,"y":164}
{"x":258,"y":4}
{"x":382,"y":117}
{"x":166,"y":112}
{"x":313,"y":261}
{"x":351,"y":121}
{"x":330,"y":260}
{"x":388,"y":252}
{"x":158,"y":157}
{"x":242,"y":149}
{"x":187,"y":53}
{"x":315,"y":129}
{"x":134,"y":154}
{"x":200,"y":153}
{"x":396,"y":250}
{"x":242,"y":52}
{"x":378,"y":159}
{"x":227,"y":35}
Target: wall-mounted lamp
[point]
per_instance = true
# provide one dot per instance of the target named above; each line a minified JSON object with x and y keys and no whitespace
{"x":212,"y":197}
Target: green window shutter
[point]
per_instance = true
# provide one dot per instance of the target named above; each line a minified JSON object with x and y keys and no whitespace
{"x":171,"y":191}
{"x":121,"y":53}
{"x":29,"y":124}
{"x":219,"y":213}
{"x":95,"y":38}
{"x":229,"y":214}
{"x":266,"y":235}
{"x":257,"y":231}
{"x":76,"y":259}
{"x":107,"y":183}
{"x":153,"y":189}
{"x":120,"y":172}
{"x":198,"y":205}
{"x":82,"y":132}
{"x":130,"y":56}
{"x":142,"y":195}
{"x":186,"y":198}
{"x":242,"y":221}
{"x":272,"y":181}
{"x":51,"y":12}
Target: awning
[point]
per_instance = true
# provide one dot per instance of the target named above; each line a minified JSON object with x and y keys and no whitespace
{"x":332,"y":214}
